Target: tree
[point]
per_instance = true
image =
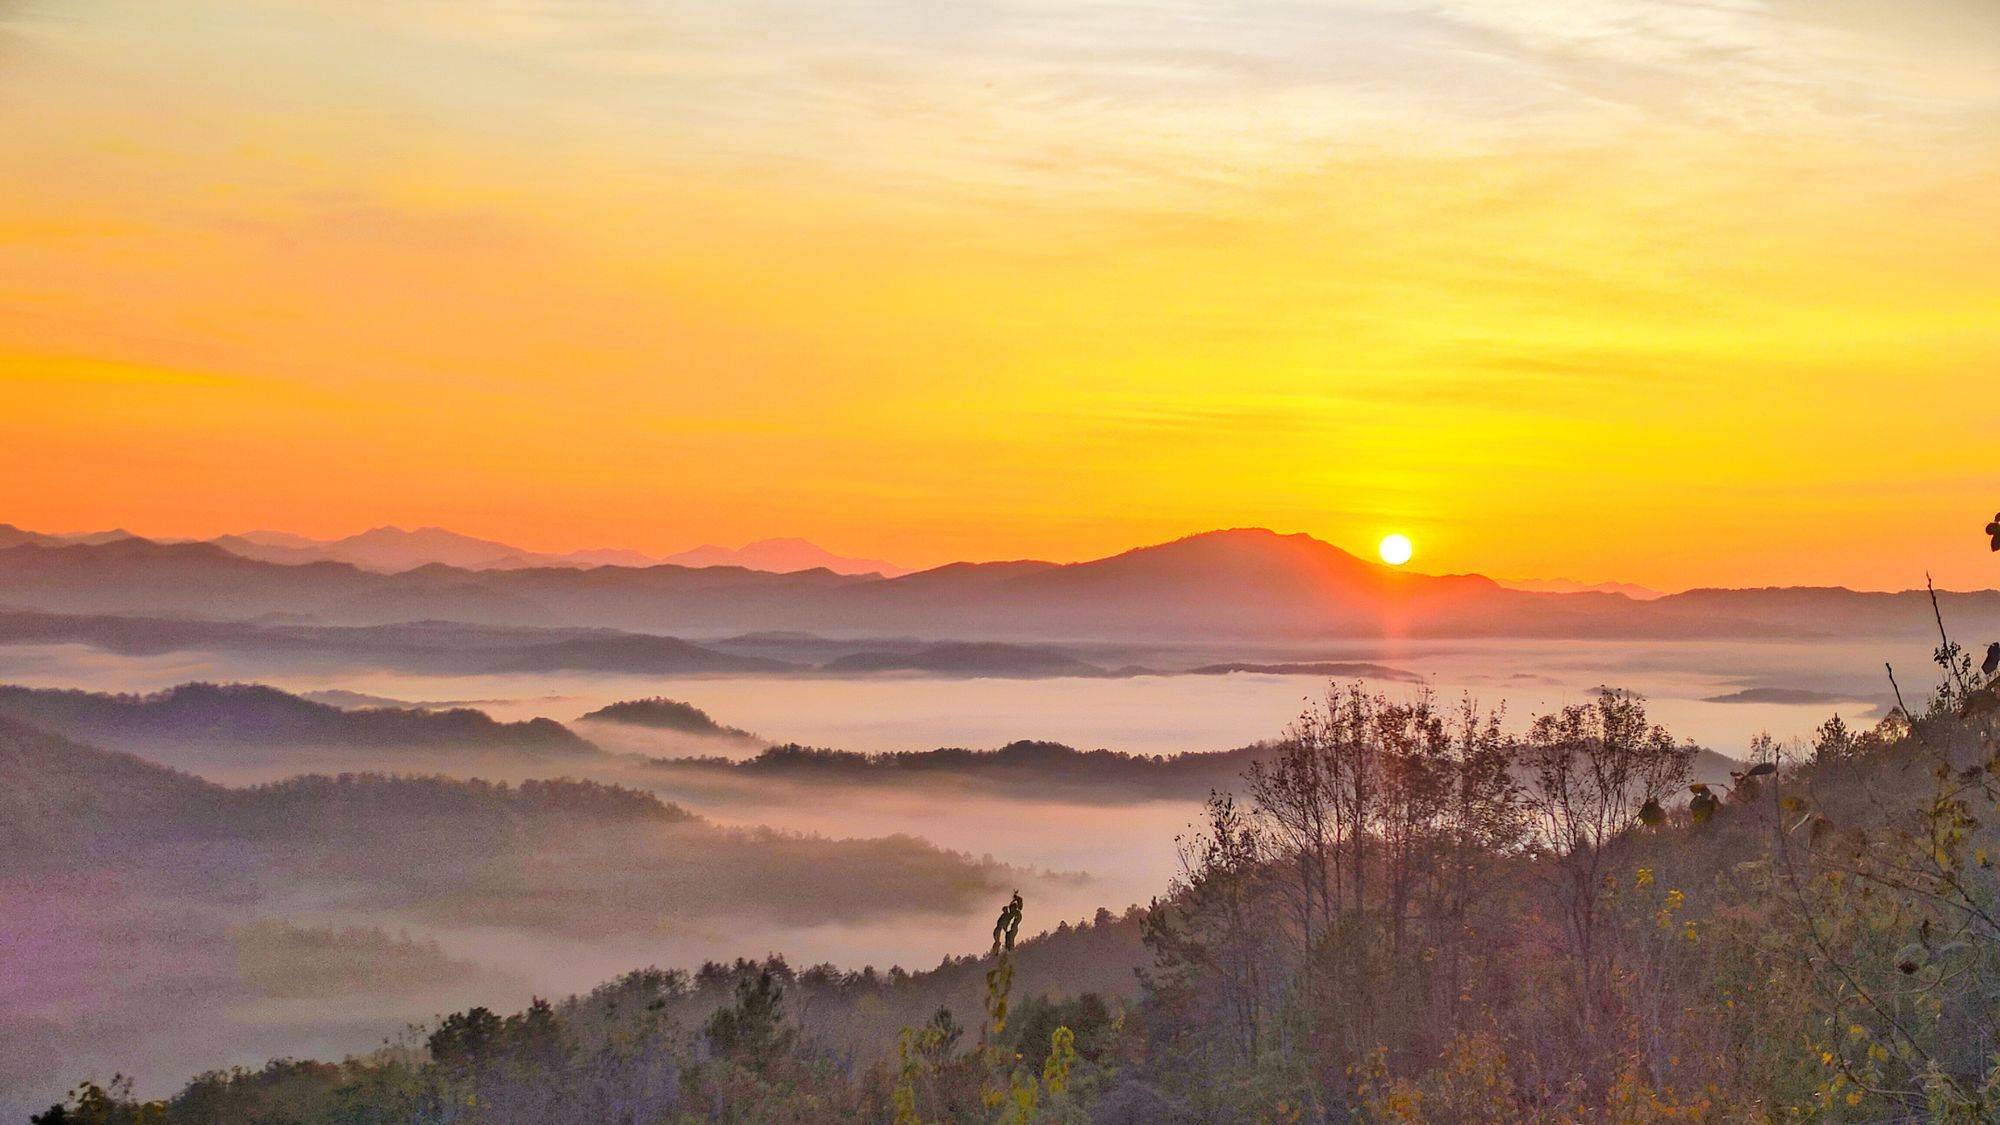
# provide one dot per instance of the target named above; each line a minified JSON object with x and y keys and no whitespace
{"x":1208,"y":937}
{"x":751,"y":1030}
{"x":1594,"y":768}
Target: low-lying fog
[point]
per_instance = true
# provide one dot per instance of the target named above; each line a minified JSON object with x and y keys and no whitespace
{"x":1154,"y":714}
{"x":1089,"y":853}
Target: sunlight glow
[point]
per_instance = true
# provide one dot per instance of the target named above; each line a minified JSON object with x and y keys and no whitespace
{"x":1395,"y":549}
{"x":1471,"y":262}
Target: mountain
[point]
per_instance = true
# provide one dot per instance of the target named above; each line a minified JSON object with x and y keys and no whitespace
{"x":609,"y":556}
{"x":139,"y":576}
{"x":1227,"y":580}
{"x":11,"y":536}
{"x":98,"y":538}
{"x":391,"y":550}
{"x":145,"y":578}
{"x":290,"y":554}
{"x":635,"y":653}
{"x":783,"y":556}
{"x":1565,"y":586}
{"x":394,"y":549}
{"x":1218,"y":587}
{"x":440,"y":647}
{"x":1236,"y":584}
{"x":267,"y":538}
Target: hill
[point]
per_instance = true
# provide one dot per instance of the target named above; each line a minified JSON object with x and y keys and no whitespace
{"x":1026,"y":769}
{"x":492,"y":852}
{"x":155,"y":919}
{"x":1031,"y":770}
{"x":660,"y":713}
{"x":634,"y":653}
{"x":255,"y":715}
{"x":966,"y":658}
{"x":1331,"y":669}
{"x":57,"y":796}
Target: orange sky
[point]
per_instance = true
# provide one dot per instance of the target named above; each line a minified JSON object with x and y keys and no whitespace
{"x":1666,"y":292}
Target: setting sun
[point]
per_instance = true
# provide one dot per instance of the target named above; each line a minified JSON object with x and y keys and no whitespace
{"x":1394,"y":549}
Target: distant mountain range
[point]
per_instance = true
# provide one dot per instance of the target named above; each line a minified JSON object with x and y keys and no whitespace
{"x":783,"y":556}
{"x":1221,"y":586}
{"x":392,"y":550}
{"x":1565,"y":586}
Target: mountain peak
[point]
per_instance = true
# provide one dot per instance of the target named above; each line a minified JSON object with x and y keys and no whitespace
{"x":1256,"y":547}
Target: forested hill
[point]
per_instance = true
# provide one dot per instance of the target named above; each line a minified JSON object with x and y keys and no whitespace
{"x":255,"y":715}
{"x":449,"y":849}
{"x":660,"y":713}
{"x":66,"y":805}
{"x":1025,"y":768}
{"x":61,"y":799}
{"x":1031,"y":769}
{"x":140,"y":901}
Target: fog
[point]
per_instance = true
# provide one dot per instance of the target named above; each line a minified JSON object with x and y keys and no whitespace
{"x":1151,"y":714}
{"x":228,"y":964}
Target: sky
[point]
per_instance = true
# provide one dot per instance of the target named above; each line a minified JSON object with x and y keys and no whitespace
{"x":1660,"y":291}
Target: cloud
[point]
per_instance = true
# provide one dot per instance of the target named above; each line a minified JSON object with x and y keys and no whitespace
{"x":1027,"y":90}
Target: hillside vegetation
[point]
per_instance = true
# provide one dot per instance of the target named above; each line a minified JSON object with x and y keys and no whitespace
{"x":147,"y":914}
{"x":660,"y":713}
{"x":253,"y":715}
{"x":1026,"y":769}
{"x":1412,"y":914}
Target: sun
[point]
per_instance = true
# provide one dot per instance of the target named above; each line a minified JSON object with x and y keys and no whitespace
{"x":1394,"y":549}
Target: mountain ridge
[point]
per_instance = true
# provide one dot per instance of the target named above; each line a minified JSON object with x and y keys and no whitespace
{"x":391,"y":549}
{"x":1233,"y":584}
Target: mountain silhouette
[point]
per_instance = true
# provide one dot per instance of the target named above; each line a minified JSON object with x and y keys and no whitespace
{"x":783,"y":556}
{"x":392,"y":550}
{"x":1240,"y":584}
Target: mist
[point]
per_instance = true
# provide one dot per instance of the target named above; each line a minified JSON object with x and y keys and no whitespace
{"x":326,"y":946}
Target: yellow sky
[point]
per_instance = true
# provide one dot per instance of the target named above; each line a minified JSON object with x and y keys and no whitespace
{"x":1676,"y":293}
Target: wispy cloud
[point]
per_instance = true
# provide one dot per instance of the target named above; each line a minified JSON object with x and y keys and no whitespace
{"x":1029,"y":91}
